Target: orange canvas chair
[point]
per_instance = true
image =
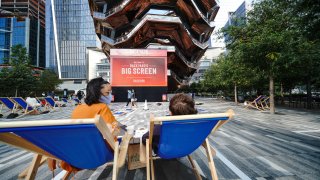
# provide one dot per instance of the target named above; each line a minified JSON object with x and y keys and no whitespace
{"x":181,"y":135}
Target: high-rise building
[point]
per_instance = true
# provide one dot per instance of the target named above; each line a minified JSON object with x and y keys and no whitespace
{"x":237,"y":18}
{"x":23,"y":22}
{"x":69,"y":32}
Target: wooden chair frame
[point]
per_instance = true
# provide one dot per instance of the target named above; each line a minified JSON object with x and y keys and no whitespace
{"x":257,"y":103}
{"x":25,"y":110}
{"x":14,"y":109}
{"x":49,"y":106}
{"x":210,"y":152}
{"x":41,"y":155}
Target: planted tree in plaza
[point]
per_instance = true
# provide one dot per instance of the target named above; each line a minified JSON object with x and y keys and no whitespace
{"x":265,"y":42}
{"x":18,"y":77}
{"x":307,"y":47}
{"x":231,"y":73}
{"x":48,"y":81}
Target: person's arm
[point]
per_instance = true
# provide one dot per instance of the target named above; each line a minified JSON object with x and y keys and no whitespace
{"x":111,"y":121}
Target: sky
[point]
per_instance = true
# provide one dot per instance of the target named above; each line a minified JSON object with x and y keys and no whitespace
{"x":222,"y":16}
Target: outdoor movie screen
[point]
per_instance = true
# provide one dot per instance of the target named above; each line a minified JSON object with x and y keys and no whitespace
{"x":138,"y":67}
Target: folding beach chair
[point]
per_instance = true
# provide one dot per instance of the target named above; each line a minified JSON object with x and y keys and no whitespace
{"x":25,"y":106}
{"x":82,"y":143}
{"x":8,"y":103}
{"x":181,"y":135}
{"x":64,"y":100}
{"x":51,"y":103}
{"x":265,"y":103}
{"x":77,"y":101}
{"x":41,"y":101}
{"x":256,"y":104}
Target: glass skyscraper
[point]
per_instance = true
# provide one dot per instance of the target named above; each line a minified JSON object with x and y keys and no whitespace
{"x":23,"y":23}
{"x":70,"y":30}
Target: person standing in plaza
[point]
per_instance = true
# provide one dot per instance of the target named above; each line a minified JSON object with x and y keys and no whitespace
{"x":133,"y":98}
{"x":129,"y":97}
{"x":80,"y":95}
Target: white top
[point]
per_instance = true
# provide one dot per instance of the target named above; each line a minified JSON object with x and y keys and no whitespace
{"x":32,"y":102}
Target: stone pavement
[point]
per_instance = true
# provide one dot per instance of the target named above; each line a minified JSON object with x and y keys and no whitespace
{"x":255,"y":145}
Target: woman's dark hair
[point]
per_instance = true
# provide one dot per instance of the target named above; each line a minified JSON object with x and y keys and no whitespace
{"x":182,"y":104}
{"x":93,"y":90}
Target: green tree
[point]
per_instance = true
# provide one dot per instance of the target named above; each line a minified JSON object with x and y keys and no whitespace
{"x":48,"y":81}
{"x":19,"y":77}
{"x":264,"y":43}
{"x":230,"y":73}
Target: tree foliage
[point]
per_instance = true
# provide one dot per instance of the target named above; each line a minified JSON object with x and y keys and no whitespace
{"x":18,"y":78}
{"x":279,"y":42}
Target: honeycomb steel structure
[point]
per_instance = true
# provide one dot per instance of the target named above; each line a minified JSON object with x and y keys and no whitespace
{"x":183,"y":28}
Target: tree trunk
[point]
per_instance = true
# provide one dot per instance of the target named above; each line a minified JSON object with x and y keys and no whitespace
{"x":309,"y":97}
{"x":271,"y":91}
{"x":281,"y":93}
{"x":235,"y":94}
{"x":16,"y":92}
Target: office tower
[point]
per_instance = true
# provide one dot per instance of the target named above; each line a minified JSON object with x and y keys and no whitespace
{"x":23,"y":22}
{"x":69,"y":32}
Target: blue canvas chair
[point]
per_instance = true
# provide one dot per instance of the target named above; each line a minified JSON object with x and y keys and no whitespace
{"x":8,"y":103}
{"x":66,"y":101}
{"x":181,"y":135}
{"x":82,"y":143}
{"x":51,"y":103}
{"x":256,"y":104}
{"x":77,"y":101}
{"x":27,"y":109}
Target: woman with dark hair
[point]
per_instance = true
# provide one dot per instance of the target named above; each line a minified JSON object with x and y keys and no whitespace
{"x":94,"y":104}
{"x":95,"y":89}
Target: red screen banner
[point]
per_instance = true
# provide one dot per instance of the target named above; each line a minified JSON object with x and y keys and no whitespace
{"x":138,"y":67}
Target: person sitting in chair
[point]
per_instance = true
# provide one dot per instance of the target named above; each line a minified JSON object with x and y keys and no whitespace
{"x":180,"y":104}
{"x":95,"y":89}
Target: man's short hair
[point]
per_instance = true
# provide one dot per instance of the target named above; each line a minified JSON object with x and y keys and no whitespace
{"x":182,"y":104}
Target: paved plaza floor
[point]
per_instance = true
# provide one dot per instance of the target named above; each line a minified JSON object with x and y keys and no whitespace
{"x":254,"y":145}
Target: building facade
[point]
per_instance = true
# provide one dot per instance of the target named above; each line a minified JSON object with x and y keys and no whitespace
{"x":98,"y":65}
{"x":23,"y":22}
{"x":237,"y":18}
{"x":69,"y":32}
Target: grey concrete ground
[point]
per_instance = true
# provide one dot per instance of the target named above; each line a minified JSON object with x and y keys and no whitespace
{"x":255,"y":145}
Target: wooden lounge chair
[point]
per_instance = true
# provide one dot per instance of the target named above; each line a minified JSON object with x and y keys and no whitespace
{"x":256,"y":104}
{"x":8,"y":103}
{"x":265,"y":104}
{"x":27,"y":109}
{"x":82,"y":143}
{"x":52,"y":104}
{"x":77,"y":101}
{"x":181,"y":135}
{"x":66,"y":101}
